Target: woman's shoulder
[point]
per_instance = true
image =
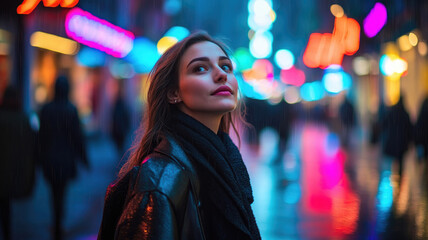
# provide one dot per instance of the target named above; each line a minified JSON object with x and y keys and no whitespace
{"x":161,"y":173}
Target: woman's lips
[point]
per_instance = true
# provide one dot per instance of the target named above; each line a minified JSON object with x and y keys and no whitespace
{"x":223,"y":93}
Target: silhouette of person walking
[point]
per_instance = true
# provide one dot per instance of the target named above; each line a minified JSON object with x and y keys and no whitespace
{"x":397,"y":133}
{"x":16,"y":161}
{"x":120,"y":121}
{"x":347,"y":117}
{"x":281,"y":120}
{"x":61,"y":145}
{"x":421,"y":137}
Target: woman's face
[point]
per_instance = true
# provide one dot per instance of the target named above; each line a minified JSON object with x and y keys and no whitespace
{"x":207,"y":85}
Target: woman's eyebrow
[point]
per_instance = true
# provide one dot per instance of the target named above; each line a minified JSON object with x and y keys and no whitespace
{"x":205,"y":59}
{"x":224,"y":58}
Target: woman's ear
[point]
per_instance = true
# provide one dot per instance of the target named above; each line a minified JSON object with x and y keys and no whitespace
{"x":173,"y":96}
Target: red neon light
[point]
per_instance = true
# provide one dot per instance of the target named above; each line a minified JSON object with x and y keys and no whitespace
{"x":98,"y":33}
{"x":326,"y":49}
{"x":28,"y":6}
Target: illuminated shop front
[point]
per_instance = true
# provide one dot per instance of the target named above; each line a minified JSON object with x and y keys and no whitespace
{"x":84,"y":48}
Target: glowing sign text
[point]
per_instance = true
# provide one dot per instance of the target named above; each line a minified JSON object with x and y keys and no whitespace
{"x":29,"y":5}
{"x":98,"y":33}
{"x":326,"y":49}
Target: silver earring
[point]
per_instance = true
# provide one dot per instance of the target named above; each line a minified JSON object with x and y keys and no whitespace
{"x":175,"y":100}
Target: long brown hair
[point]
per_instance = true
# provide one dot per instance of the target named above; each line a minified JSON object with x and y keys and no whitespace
{"x":164,"y":78}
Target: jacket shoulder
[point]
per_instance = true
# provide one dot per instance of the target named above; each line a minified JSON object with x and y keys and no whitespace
{"x":159,"y":172}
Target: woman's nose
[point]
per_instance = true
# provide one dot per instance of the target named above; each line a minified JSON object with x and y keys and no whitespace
{"x":220,"y":75}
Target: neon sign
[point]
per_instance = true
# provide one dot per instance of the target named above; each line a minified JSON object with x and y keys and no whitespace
{"x":326,"y":49}
{"x":98,"y":33}
{"x":28,"y":6}
{"x":375,"y":20}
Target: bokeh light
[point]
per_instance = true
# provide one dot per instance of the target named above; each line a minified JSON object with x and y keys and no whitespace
{"x":292,"y":95}
{"x":261,"y":45}
{"x":293,"y":76}
{"x":90,"y":57}
{"x":164,"y":43}
{"x":244,"y":59}
{"x":284,"y":59}
{"x":337,"y":10}
{"x":261,"y":15}
{"x":404,"y":43}
{"x":336,"y":80}
{"x":391,"y":64}
{"x":413,"y":39}
{"x":326,"y":49}
{"x":312,"y":91}
{"x":422,"y":48}
{"x":375,"y":20}
{"x":54,"y":43}
{"x":392,"y":89}
{"x":262,"y":69}
{"x":361,"y":65}
{"x":177,"y":32}
{"x":97,"y":33}
{"x":144,"y":55}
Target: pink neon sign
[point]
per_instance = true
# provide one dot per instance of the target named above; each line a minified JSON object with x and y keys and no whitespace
{"x":375,"y":20}
{"x":98,"y":33}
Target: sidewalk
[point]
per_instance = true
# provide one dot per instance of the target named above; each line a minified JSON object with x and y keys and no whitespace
{"x":32,"y":217}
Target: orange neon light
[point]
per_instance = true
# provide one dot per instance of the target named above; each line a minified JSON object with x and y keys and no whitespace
{"x":326,"y":49}
{"x":29,"y":5}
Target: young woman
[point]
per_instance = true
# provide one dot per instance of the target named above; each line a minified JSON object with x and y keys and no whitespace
{"x":185,"y":179}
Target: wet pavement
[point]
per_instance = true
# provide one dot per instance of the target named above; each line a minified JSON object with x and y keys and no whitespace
{"x":319,"y":190}
{"x":32,"y":218}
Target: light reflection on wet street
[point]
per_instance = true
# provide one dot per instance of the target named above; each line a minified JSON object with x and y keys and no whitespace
{"x":321,"y":190}
{"x":318,"y":191}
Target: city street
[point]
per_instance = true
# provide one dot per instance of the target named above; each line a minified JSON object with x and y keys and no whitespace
{"x":319,"y":190}
{"x":335,"y":94}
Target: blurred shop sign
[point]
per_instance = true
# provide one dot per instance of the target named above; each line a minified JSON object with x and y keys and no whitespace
{"x":326,"y":49}
{"x":54,"y":43}
{"x":28,"y":6}
{"x":97,"y":33}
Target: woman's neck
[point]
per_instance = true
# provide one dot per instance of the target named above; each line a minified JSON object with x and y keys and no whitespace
{"x":211,"y":121}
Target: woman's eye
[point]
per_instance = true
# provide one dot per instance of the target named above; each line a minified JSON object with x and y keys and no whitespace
{"x":227,"y":67}
{"x":199,"y":69}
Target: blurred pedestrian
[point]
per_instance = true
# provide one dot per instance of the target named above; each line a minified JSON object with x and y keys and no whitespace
{"x":347,"y":118}
{"x":397,"y":133}
{"x":256,"y":112}
{"x":376,"y":124}
{"x":120,"y":121}
{"x":281,"y":120}
{"x":421,"y":129}
{"x":16,"y":156}
{"x":186,"y":178}
{"x":61,"y":145}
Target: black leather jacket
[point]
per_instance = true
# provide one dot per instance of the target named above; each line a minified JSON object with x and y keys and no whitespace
{"x":157,"y":200}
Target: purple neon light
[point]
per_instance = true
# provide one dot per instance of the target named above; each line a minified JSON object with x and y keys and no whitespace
{"x":375,"y":20}
{"x":97,"y":33}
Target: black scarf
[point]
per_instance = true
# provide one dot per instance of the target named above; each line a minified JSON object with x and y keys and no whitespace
{"x":225,"y":191}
